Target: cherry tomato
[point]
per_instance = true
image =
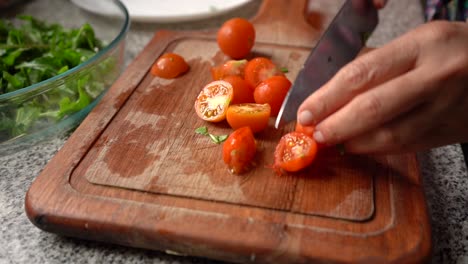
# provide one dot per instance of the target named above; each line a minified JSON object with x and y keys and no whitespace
{"x":232,"y":67}
{"x":236,"y":38}
{"x":255,"y":116}
{"x":239,"y":150}
{"x":212,"y":102}
{"x":294,"y":152}
{"x":169,"y":65}
{"x":242,"y":92}
{"x":260,"y":69}
{"x":308,"y":130}
{"x":272,"y":91}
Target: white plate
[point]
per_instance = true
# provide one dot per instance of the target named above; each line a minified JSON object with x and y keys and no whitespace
{"x":165,"y":10}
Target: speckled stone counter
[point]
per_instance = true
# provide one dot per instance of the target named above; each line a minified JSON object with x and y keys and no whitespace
{"x":444,"y":174}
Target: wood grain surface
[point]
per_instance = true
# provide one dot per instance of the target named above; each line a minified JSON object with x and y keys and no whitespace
{"x":135,"y":173}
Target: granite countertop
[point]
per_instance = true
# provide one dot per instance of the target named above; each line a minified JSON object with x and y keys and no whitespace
{"x":444,"y":175}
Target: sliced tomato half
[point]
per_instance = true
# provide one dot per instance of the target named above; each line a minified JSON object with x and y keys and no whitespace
{"x":212,"y":102}
{"x":255,"y":116}
{"x":294,"y":152}
{"x":239,"y":150}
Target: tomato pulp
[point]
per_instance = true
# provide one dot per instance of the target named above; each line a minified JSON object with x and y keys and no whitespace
{"x":212,"y":102}
{"x":294,"y":152}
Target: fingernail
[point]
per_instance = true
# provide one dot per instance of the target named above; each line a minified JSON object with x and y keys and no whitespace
{"x":318,"y":137}
{"x":306,"y":118}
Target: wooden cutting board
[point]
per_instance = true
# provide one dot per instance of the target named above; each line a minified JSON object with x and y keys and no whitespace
{"x":135,"y":173}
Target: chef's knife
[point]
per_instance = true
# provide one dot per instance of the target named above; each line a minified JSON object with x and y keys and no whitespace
{"x":340,"y":44}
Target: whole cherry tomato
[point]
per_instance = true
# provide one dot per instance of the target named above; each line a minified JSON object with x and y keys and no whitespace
{"x":255,"y":116}
{"x":231,"y":67}
{"x":236,"y":38}
{"x":308,"y":130}
{"x":239,"y":150}
{"x":212,"y":102}
{"x":242,"y":92}
{"x":272,"y":91}
{"x":259,"y":69}
{"x":294,"y":152}
{"x":169,"y":65}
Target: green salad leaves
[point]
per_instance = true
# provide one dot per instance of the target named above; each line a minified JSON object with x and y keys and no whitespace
{"x":32,"y":51}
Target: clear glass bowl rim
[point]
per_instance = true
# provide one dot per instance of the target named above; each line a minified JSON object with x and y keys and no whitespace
{"x":116,"y":41}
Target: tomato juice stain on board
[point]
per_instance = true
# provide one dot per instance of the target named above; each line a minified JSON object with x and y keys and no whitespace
{"x":135,"y":156}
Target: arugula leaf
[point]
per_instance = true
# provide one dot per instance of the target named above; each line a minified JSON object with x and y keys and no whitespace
{"x":218,"y":139}
{"x":202,"y":130}
{"x":32,"y":51}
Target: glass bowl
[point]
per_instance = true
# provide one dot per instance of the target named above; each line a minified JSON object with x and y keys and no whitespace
{"x":60,"y":103}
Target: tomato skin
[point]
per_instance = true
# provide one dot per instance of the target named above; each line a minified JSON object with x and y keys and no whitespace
{"x":259,"y":69}
{"x":272,"y":91}
{"x":236,"y":38}
{"x":294,"y":152}
{"x":169,"y":66}
{"x":242,"y":91}
{"x":231,"y":67}
{"x":308,"y":130}
{"x":213,"y":100}
{"x":255,"y":116}
{"x":239,"y":150}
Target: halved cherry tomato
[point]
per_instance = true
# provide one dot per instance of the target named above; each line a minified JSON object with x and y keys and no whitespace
{"x":212,"y":102}
{"x":308,"y":130}
{"x":272,"y":91}
{"x":255,"y":116}
{"x":236,"y":38}
{"x":239,"y":150}
{"x":231,"y":67}
{"x":294,"y":152}
{"x":260,"y":69}
{"x":243,"y":93}
{"x":169,"y":65}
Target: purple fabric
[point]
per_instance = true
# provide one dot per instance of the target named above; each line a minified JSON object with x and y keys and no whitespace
{"x":447,"y":10}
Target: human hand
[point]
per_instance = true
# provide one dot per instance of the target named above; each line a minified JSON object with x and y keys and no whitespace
{"x":409,"y":95}
{"x":379,"y":3}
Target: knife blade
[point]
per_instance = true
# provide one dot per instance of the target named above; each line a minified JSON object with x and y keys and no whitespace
{"x":341,"y":42}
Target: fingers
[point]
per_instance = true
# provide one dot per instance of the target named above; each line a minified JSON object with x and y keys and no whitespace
{"x":375,"y":107}
{"x":415,"y":131}
{"x":379,"y":3}
{"x":399,"y":136}
{"x":368,"y":70}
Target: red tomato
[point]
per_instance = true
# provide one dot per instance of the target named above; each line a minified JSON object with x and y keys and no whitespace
{"x":294,"y":152}
{"x":308,"y":130}
{"x":260,"y":69}
{"x":232,"y":67}
{"x":239,"y":150}
{"x":236,"y":38}
{"x":212,"y":102}
{"x":169,"y":65}
{"x":272,"y":91}
{"x":242,"y":92}
{"x":255,"y":116}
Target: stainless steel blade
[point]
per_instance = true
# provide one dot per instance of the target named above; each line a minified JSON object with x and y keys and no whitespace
{"x":340,"y":44}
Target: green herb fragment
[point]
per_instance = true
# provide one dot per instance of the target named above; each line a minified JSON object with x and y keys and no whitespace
{"x":284,"y":70}
{"x":218,"y":139}
{"x":202,"y":130}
